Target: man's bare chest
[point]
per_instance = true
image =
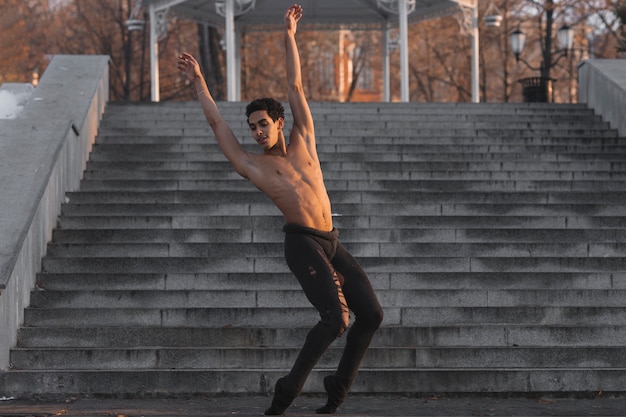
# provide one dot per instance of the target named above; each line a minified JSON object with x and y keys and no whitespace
{"x":287,"y":174}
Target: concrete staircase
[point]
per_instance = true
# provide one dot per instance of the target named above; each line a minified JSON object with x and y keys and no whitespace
{"x":495,"y":236}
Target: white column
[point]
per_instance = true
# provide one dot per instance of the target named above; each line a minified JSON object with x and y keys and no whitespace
{"x":404,"y":50}
{"x":231,"y":62}
{"x":341,"y":88}
{"x":154,"y":56}
{"x":237,"y":38}
{"x":386,"y":71}
{"x":475,"y":55}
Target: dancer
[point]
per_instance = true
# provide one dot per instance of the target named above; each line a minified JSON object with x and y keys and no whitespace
{"x":291,"y":176}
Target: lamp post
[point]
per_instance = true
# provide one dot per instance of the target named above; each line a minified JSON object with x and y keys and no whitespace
{"x":540,"y":88}
{"x":240,"y":7}
{"x":565,"y":36}
{"x":135,"y":25}
{"x":401,"y":8}
{"x":132,"y":25}
{"x":517,"y":39}
{"x":493,"y":17}
{"x":228,"y":9}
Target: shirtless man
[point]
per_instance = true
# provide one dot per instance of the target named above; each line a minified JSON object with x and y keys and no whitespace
{"x":290,"y":174}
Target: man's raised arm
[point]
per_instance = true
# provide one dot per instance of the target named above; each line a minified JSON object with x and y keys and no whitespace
{"x":230,"y":146}
{"x":303,"y":121}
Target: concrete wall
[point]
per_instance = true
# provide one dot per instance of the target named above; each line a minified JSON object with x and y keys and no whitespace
{"x":43,"y":152}
{"x":602,"y":86}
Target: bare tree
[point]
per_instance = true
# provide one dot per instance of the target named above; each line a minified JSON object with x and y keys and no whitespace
{"x":621,"y":13}
{"x":212,"y":60}
{"x":23,"y":41}
{"x":263,"y":75}
{"x":498,"y":72}
{"x":439,"y":53}
{"x":361,"y":57}
{"x":440,"y":61}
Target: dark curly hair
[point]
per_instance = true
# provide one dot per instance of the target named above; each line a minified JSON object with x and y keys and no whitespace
{"x":274,"y":109}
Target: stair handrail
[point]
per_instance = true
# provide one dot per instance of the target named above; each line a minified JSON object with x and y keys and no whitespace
{"x":44,"y":151}
{"x":602,"y":86}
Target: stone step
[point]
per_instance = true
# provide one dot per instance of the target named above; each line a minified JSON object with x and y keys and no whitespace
{"x":363,"y":185}
{"x":227,"y":213}
{"x":367,"y":116}
{"x":509,"y":235}
{"x":552,"y":140}
{"x":435,"y":166}
{"x":418,"y":132}
{"x":151,"y":107}
{"x":359,"y":156}
{"x":390,"y":116}
{"x":92,"y":281}
{"x":257,"y":298}
{"x":196,"y":358}
{"x":240,"y":125}
{"x":326,"y":113}
{"x":418,"y":250}
{"x":141,"y":383}
{"x":391,"y":174}
{"x":354,"y":197}
{"x":229,"y":110}
{"x":167,"y":317}
{"x":429,"y":120}
{"x":283,"y":357}
{"x":441,"y":327}
{"x":369,"y":148}
{"x":370,"y":264}
{"x":373,"y":222}
{"x":402,"y":326}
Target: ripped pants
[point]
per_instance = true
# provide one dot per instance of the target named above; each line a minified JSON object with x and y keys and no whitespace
{"x":334,"y":283}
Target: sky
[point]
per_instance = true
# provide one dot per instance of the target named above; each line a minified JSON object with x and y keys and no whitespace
{"x":9,"y":107}
{"x":13,"y":98}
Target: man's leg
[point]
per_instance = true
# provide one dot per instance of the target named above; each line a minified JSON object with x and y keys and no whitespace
{"x":368,"y":316}
{"x":307,"y":259}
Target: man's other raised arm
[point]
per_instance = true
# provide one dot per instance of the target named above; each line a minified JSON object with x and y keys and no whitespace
{"x":302,"y":119}
{"x":230,"y":146}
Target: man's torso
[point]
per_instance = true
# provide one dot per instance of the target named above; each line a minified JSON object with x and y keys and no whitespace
{"x":295,"y":184}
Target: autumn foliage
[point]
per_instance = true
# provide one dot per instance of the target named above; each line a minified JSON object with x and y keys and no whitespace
{"x":339,"y":65}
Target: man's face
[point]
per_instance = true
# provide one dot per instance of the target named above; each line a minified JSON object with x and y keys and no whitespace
{"x":264,"y":130}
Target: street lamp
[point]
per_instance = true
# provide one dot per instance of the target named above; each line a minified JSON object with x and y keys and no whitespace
{"x":134,"y":22}
{"x":565,"y":36}
{"x":493,"y":17}
{"x":518,"y":41}
{"x":240,"y":7}
{"x":135,"y":25}
{"x":392,"y":6}
{"x":540,"y":88}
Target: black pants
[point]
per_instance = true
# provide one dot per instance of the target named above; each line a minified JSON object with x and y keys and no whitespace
{"x":334,"y":283}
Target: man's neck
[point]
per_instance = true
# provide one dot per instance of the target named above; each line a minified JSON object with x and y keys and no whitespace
{"x":280,"y":149}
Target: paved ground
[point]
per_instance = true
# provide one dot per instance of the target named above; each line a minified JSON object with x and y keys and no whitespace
{"x":305,"y":406}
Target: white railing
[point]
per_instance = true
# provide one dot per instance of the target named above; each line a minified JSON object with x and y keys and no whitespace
{"x":602,"y":86}
{"x":43,"y":153}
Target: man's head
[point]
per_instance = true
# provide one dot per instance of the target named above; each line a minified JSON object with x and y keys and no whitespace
{"x":266,"y":119}
{"x":274,"y":109}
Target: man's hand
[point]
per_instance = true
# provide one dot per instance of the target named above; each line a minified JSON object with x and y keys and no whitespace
{"x":188,"y":65}
{"x":292,"y":16}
